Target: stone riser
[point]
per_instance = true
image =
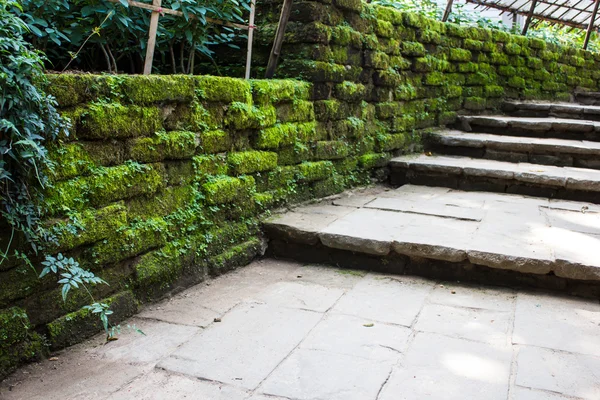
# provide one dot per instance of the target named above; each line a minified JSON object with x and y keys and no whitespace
{"x":399,"y":264}
{"x":512,"y":131}
{"x":542,"y":158}
{"x":550,"y":114}
{"x":400,"y":176}
{"x":588,"y":100}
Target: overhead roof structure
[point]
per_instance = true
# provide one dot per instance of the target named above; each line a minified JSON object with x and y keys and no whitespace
{"x":581,"y":14}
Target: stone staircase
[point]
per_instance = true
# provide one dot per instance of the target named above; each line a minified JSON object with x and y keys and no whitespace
{"x":509,"y":200}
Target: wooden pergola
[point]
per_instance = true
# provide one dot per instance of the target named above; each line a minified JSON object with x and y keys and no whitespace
{"x":582,"y":14}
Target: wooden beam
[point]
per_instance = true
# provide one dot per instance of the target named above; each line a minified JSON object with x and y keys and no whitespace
{"x":152,"y":38}
{"x":447,"y":11}
{"x":152,"y":7}
{"x":250,"y":36}
{"x":286,"y":10}
{"x":590,"y":27}
{"x":529,"y":15}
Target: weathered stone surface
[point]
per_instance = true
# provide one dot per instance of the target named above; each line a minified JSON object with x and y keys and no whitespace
{"x":475,"y":324}
{"x":159,"y":385}
{"x":315,"y":374}
{"x":460,"y":295}
{"x":304,"y":296}
{"x":227,"y":351}
{"x":576,"y":330}
{"x":353,"y":336}
{"x":398,"y":301}
{"x":439,"y":367}
{"x":570,"y":374}
{"x":299,"y":227}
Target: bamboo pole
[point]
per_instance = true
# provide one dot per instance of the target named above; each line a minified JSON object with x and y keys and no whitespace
{"x":529,"y":15}
{"x":250,"y":36}
{"x":590,"y":27}
{"x":152,"y":37}
{"x":286,"y":10}
{"x":447,"y":11}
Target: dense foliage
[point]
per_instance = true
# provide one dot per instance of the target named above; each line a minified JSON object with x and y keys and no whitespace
{"x":114,"y":35}
{"x":28,"y":118}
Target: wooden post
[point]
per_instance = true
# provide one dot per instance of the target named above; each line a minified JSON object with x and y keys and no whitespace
{"x":286,"y":10}
{"x":590,"y":27}
{"x":152,"y":38}
{"x":447,"y":11}
{"x":250,"y":35}
{"x":529,"y":15}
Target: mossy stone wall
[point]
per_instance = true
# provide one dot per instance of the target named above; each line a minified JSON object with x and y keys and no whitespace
{"x":415,"y":71}
{"x":163,"y":181}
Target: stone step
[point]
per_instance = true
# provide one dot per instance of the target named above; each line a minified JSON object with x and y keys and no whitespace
{"x":449,"y":234}
{"x":497,"y":176}
{"x":560,"y":128}
{"x":546,"y":151}
{"x":557,"y":110}
{"x":588,"y":98}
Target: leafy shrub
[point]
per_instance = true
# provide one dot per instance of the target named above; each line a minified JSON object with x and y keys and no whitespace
{"x":118,"y":34}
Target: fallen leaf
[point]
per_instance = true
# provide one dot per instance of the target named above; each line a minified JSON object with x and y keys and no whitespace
{"x":53,"y":359}
{"x":217,"y":320}
{"x":369,"y":325}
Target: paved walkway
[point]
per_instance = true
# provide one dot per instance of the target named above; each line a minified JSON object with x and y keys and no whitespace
{"x":289,"y":331}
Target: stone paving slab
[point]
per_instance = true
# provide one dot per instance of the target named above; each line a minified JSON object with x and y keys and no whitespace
{"x":385,"y":337}
{"x":531,"y":124}
{"x":519,"y":233}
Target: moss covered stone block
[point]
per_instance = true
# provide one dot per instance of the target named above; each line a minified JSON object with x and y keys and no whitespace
{"x":285,"y":135}
{"x":328,"y":187}
{"x":493,"y":91}
{"x":89,"y":226}
{"x":471,"y":44}
{"x":18,"y":343}
{"x":161,"y":204}
{"x":461,"y":55}
{"x":113,"y":120}
{"x":434,"y":79}
{"x":412,"y":49}
{"x":224,"y":90}
{"x":350,"y":91}
{"x":248,"y":162}
{"x":390,"y":142}
{"x":374,"y":160}
{"x":236,"y":256}
{"x":274,"y":91}
{"x":296,"y":111}
{"x":314,"y":171}
{"x":331,"y":150}
{"x":130,"y":240}
{"x":148,"y":89}
{"x":71,"y":160}
{"x":243,"y":116}
{"x":516,"y":82}
{"x":176,"y":145}
{"x":475,"y":103}
{"x":226,"y":189}
{"x":216,"y":141}
{"x":79,"y":325}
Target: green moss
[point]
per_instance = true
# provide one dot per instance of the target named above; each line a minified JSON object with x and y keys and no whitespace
{"x":493,"y":91}
{"x":244,"y":116}
{"x":387,"y":77}
{"x":297,"y":111}
{"x":236,"y":256}
{"x":471,"y":44}
{"x":474,"y":103}
{"x":461,"y":55}
{"x":79,"y":325}
{"x":113,"y":120}
{"x":374,"y":160}
{"x":430,"y":63}
{"x":70,"y":160}
{"x":498,"y":59}
{"x":328,"y":187}
{"x":412,"y":49}
{"x":106,"y":185}
{"x":276,"y":91}
{"x":174,"y":145}
{"x":331,"y":150}
{"x":224,"y":90}
{"x":506,"y":70}
{"x":344,"y":35}
{"x":248,"y":162}
{"x":215,"y":141}
{"x":447,"y":117}
{"x":314,"y":171}
{"x":147,"y":89}
{"x":349,"y":91}
{"x":454,"y":91}
{"x":390,"y":142}
{"x":512,"y":48}
{"x":163,"y":203}
{"x":129,"y":241}
{"x":89,"y":226}
{"x":516,"y":82}
{"x":17,"y":343}
{"x":285,"y":135}
{"x":434,"y":79}
{"x":225,"y":189}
